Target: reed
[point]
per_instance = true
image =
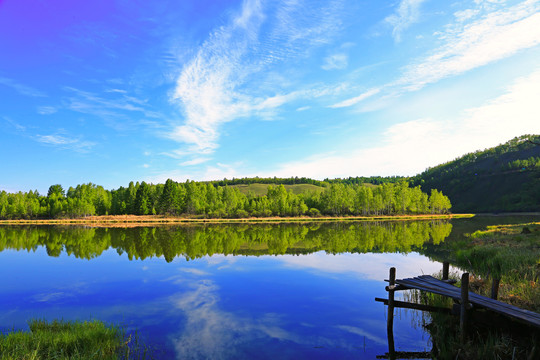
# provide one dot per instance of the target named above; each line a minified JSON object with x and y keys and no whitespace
{"x":71,"y":340}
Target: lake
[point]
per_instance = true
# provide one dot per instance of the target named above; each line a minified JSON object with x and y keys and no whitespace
{"x":264,"y":291}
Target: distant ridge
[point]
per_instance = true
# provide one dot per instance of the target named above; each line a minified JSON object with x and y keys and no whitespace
{"x":505,"y":178}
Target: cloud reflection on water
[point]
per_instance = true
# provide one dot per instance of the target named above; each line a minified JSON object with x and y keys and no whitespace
{"x":212,"y":333}
{"x":367,"y":266}
{"x":362,"y":332}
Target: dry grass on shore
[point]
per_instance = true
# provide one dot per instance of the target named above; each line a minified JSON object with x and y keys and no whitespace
{"x":153,"y":220}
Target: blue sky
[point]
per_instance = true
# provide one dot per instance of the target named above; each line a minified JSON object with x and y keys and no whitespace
{"x":113,"y":91}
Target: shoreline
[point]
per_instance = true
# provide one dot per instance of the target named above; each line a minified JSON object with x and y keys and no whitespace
{"x":153,"y":220}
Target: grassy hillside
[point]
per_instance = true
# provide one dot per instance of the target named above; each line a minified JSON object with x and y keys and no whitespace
{"x":499,"y":179}
{"x":261,"y":189}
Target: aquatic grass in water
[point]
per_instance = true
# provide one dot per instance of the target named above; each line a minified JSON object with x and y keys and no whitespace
{"x":508,"y":252}
{"x":504,"y":249}
{"x":70,"y":340}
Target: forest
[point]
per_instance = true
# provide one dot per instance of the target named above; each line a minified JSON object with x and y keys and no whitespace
{"x":210,"y":200}
{"x":504,"y":178}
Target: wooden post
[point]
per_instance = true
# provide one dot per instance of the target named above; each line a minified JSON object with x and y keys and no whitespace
{"x":390,"y":317}
{"x":464,"y":305}
{"x":445,"y":268}
{"x":495,"y":288}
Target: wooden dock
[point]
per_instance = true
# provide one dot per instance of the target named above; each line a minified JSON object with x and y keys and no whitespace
{"x":436,"y":286}
{"x":467,"y":300}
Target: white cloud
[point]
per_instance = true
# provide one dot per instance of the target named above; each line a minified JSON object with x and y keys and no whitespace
{"x":194,"y":271}
{"x":364,"y":333}
{"x":52,"y":297}
{"x":221,"y":171}
{"x":46,"y":110}
{"x":410,"y":147}
{"x":116,"y":91}
{"x":211,"y":333}
{"x":466,"y":46}
{"x":207,"y":85}
{"x":467,"y":14}
{"x":485,"y":34}
{"x":335,"y":62}
{"x":214,"y":87}
{"x":355,"y":100}
{"x":515,"y":113}
{"x":16,"y":125}
{"x":195,"y":161}
{"x":54,"y":139}
{"x":207,"y":173}
{"x":408,"y":12}
{"x":116,"y":109}
{"x":21,"y":89}
{"x":88,"y":102}
{"x":368,"y":266}
{"x":275,"y":101}
{"x":63,"y":142}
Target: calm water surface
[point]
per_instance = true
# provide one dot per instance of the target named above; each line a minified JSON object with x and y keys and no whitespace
{"x":224,"y":291}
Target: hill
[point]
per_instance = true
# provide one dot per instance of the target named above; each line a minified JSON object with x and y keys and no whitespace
{"x":505,"y":178}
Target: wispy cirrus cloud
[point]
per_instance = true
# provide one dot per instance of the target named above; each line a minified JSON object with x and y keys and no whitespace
{"x":21,"y":88}
{"x":65,"y":142}
{"x":195,"y":161}
{"x":87,"y":101}
{"x":59,"y":139}
{"x":355,"y":100}
{"x":207,"y":85}
{"x":335,"y":62}
{"x":116,"y":109}
{"x":467,"y":45}
{"x":478,"y":36}
{"x":214,"y":87}
{"x":46,"y":110}
{"x":407,"y":13}
{"x":14,"y":124}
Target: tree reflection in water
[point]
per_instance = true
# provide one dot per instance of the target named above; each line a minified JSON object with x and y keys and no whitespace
{"x":197,"y":241}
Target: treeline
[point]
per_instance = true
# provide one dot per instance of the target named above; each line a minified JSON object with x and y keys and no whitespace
{"x":358,"y":180}
{"x":270,"y":180}
{"x":204,"y":199}
{"x":194,"y":242}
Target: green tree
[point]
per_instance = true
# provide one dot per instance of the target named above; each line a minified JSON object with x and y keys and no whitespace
{"x":142,"y":200}
{"x":57,"y":189}
{"x":169,"y":200}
